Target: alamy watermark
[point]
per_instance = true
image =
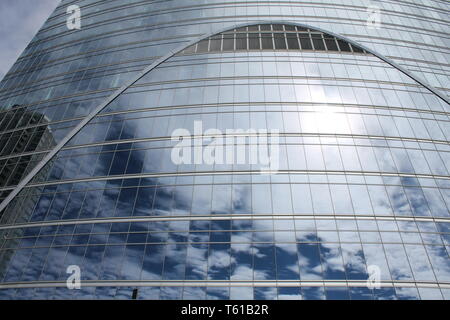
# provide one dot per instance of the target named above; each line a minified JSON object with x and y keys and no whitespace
{"x":74,"y":280}
{"x":232,"y":147}
{"x":374,"y":280}
{"x":73,"y":21}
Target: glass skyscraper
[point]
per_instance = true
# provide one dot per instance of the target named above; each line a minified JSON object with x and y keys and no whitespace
{"x":357,"y":206}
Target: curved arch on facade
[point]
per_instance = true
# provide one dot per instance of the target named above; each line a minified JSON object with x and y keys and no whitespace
{"x":172,"y":53}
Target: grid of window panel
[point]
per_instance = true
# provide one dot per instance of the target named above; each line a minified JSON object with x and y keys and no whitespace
{"x":375,"y":104}
{"x":54,"y":51}
{"x":270,"y":37}
{"x":255,"y":250}
{"x":268,"y":207}
{"x":364,"y":153}
{"x":414,"y":41}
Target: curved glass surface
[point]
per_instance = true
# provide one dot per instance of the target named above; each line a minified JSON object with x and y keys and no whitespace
{"x":361,"y":181}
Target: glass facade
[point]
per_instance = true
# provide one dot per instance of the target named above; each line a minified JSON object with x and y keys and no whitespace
{"x":363,"y":179}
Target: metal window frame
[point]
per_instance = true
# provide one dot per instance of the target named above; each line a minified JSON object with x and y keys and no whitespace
{"x":172,"y":53}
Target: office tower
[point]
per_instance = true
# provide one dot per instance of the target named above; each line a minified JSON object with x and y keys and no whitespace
{"x":349,"y":98}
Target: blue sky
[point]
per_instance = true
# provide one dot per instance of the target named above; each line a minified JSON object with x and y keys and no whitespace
{"x":19,"y":22}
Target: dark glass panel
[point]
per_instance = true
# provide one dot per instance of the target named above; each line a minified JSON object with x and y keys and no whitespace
{"x":264,"y":262}
{"x":289,"y":27}
{"x":241,"y":41}
{"x":305,"y":43}
{"x":357,"y":49}
{"x":280,"y":41}
{"x":119,"y":162}
{"x":228,"y":42}
{"x":331,"y":44}
{"x":203,"y":46}
{"x":254,"y":41}
{"x":338,"y":293}
{"x":309,"y":259}
{"x":301,"y":29}
{"x":175,"y":261}
{"x":318,"y":44}
{"x":266,"y":41}
{"x":287,"y":262}
{"x":135,"y":163}
{"x":215,"y":44}
{"x":153,"y":262}
{"x":277,"y":27}
{"x":344,"y":46}
{"x":125,"y":202}
{"x":292,"y":41}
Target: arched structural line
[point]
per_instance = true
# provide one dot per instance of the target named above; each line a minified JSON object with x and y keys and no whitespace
{"x":170,"y":54}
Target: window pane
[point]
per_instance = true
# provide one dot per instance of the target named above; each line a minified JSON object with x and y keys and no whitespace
{"x":241,"y":41}
{"x":216,"y":43}
{"x":305,"y":43}
{"x":254,"y":42}
{"x":331,"y":44}
{"x":203,"y":46}
{"x":267,"y":41}
{"x":292,"y":41}
{"x":280,"y":42}
{"x":344,"y":46}
{"x":228,"y":42}
{"x":277,"y":27}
